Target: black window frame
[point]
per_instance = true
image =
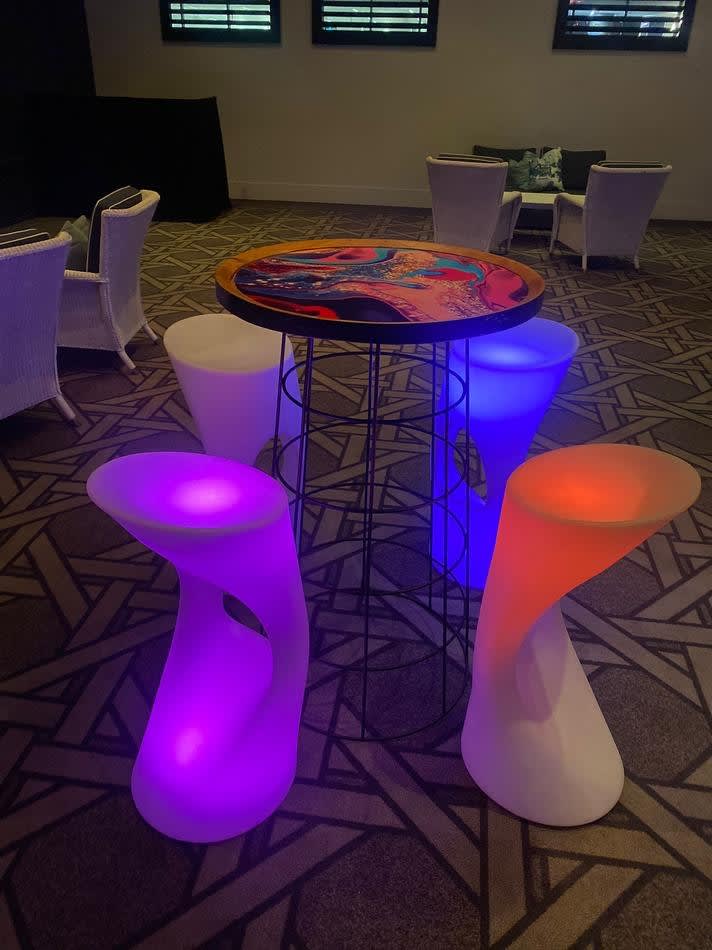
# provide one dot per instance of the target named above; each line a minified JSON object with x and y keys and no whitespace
{"x":678,"y":44}
{"x":186,"y":35}
{"x":324,"y":37}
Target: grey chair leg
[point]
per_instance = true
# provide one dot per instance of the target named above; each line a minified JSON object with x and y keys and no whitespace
{"x":64,"y":407}
{"x":126,"y":360}
{"x":636,"y":262}
{"x":153,"y":337}
{"x":584,"y":261}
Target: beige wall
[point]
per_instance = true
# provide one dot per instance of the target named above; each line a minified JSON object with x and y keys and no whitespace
{"x":318,"y":124}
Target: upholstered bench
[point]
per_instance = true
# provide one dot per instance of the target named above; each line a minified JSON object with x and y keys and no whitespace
{"x":538,"y":199}
{"x":537,"y":206}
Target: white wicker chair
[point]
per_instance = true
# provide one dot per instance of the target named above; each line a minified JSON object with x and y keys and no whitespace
{"x":30,"y":286}
{"x":611,"y":218}
{"x":470,"y":205}
{"x":103,"y":311}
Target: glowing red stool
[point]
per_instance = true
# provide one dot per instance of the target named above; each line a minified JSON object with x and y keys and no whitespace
{"x":534,"y":738}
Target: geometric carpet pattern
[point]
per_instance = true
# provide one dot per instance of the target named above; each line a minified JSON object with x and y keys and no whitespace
{"x":378,"y":844}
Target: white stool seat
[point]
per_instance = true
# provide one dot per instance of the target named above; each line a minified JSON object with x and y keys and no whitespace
{"x":228,"y":370}
{"x":223,"y":343}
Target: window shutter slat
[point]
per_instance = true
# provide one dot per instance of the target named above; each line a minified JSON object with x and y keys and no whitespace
{"x":384,"y":22}
{"x":228,"y":22}
{"x":624,"y":24}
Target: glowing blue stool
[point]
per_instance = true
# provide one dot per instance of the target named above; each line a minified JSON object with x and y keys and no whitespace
{"x":513,"y":376}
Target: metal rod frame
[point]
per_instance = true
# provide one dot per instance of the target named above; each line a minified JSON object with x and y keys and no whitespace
{"x":453,"y":632}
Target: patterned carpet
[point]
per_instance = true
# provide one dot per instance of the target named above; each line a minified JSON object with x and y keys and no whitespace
{"x":378,"y":844}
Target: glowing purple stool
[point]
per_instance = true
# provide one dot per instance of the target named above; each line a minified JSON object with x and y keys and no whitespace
{"x":219,"y":751}
{"x":513,"y":377}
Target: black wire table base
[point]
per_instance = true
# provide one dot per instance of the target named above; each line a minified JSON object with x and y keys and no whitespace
{"x":394,"y":650}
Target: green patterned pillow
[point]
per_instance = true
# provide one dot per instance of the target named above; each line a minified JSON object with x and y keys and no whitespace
{"x":79,"y":233}
{"x":519,"y":172}
{"x":536,"y":173}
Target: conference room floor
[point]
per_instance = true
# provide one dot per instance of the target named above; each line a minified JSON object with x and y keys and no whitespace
{"x":378,"y":845}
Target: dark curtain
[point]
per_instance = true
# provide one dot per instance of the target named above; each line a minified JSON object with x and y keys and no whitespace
{"x":62,"y":147}
{"x":44,"y":48}
{"x":82,"y":148}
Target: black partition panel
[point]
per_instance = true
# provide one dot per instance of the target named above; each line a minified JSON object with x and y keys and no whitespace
{"x":44,"y":47}
{"x":77,"y":149}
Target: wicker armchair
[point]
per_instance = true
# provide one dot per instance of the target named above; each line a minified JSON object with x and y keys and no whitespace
{"x":30,"y":286}
{"x":470,"y":206}
{"x":103,"y":311}
{"x":612,"y":217}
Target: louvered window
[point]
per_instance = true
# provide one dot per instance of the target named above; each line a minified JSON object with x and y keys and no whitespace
{"x":624,"y":24}
{"x":378,"y":23}
{"x":206,"y":21}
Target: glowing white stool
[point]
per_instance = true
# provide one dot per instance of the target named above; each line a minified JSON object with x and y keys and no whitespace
{"x":219,"y":752}
{"x":229,"y":373}
{"x":534,"y":738}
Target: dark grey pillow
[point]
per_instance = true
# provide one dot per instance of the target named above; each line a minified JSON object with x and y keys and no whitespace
{"x":454,"y":157}
{"x":22,"y":236}
{"x":575,"y":166}
{"x":125,"y":197}
{"x":505,"y":154}
{"x":79,"y":233}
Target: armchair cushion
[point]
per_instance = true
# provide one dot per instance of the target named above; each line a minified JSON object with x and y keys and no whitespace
{"x":23,"y":236}
{"x":632,"y":164}
{"x":79,"y":233}
{"x":125,"y":197}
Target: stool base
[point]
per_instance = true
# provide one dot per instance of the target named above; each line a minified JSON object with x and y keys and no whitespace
{"x":535,"y":740}
{"x":219,"y":752}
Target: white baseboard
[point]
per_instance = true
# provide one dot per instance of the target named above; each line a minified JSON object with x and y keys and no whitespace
{"x":407,"y":197}
{"x":682,"y":211}
{"x":330,"y":194}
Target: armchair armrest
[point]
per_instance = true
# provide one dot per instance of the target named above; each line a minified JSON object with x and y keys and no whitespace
{"x":508,"y":213}
{"x":509,"y":196}
{"x":83,"y":275}
{"x":575,"y":201}
{"x":568,"y":222}
{"x":81,"y":310}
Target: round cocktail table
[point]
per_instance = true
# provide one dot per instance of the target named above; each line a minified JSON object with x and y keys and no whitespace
{"x":414,"y":298}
